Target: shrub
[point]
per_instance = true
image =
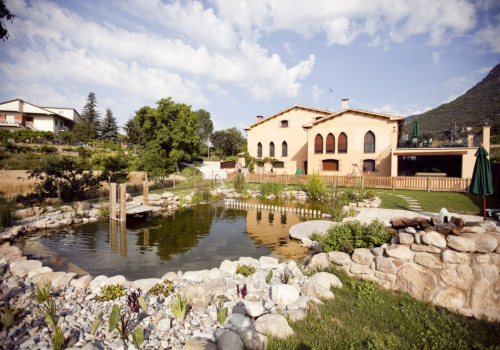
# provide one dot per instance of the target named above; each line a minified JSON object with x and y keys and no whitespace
{"x":316,"y":186}
{"x":272,"y":188}
{"x":350,"y":235}
{"x":239,"y":183}
{"x":369,"y":194}
{"x":245,"y":270}
{"x":7,"y":212}
{"x":111,"y":292}
{"x":203,"y":192}
{"x":47,"y":149}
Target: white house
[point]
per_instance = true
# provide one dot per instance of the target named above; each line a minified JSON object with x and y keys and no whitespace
{"x":18,"y":114}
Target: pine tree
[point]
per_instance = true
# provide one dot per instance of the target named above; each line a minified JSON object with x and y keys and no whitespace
{"x":109,"y":130}
{"x":90,"y":116}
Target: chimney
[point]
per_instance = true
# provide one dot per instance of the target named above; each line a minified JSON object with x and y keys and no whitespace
{"x":345,"y":103}
{"x":260,"y":118}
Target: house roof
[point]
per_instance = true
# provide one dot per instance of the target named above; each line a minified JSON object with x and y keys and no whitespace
{"x":74,"y":110}
{"x":355,"y":110}
{"x":316,"y":110}
{"x":46,"y":111}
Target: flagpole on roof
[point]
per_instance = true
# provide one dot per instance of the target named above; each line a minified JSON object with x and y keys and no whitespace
{"x":331,"y":100}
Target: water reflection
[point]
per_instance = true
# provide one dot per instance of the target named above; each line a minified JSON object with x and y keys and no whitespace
{"x":192,"y":239}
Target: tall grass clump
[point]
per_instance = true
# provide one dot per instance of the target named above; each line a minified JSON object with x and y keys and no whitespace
{"x":203,"y":192}
{"x":316,"y":186}
{"x":347,"y":236}
{"x":7,"y":212}
{"x":239,"y":183}
{"x":275,"y":188}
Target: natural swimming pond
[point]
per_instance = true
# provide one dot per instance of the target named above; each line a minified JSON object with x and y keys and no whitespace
{"x":196,"y":238}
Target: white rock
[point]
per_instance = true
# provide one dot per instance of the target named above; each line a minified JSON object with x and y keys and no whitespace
{"x":63,"y":280}
{"x":21,"y":268}
{"x":325,"y":280}
{"x":39,"y":271}
{"x":228,"y":267}
{"x":164,"y":324}
{"x":240,"y":321}
{"x":254,"y":309}
{"x":267,"y":262}
{"x":400,"y":252}
{"x":362,"y":256}
{"x":274,"y":325}
{"x":283,"y":294}
{"x":339,"y":258}
{"x":82,"y":282}
{"x":144,"y":284}
{"x":434,"y":238}
{"x":170,"y":276}
{"x":452,"y":257}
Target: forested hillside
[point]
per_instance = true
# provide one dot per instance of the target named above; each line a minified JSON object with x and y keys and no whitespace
{"x":478,"y":105}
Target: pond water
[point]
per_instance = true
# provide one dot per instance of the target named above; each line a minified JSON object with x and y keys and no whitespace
{"x":197,"y":238}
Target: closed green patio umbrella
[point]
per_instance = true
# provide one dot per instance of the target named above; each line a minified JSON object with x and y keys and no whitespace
{"x":415,"y":132}
{"x":482,"y":183}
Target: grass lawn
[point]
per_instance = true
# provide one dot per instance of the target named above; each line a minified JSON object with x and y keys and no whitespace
{"x":364,"y":316}
{"x":433,"y":201}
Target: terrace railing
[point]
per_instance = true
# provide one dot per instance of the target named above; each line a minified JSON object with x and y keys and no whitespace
{"x":441,"y":140}
{"x":445,"y":184}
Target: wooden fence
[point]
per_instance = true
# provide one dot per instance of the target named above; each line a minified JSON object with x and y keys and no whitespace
{"x":447,"y":184}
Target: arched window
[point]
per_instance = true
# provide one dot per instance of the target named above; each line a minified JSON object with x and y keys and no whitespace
{"x":259,"y":150}
{"x":271,"y":149}
{"x":284,"y":149}
{"x":330,"y":144}
{"x":330,"y":165}
{"x":342,"y":143}
{"x":369,"y":142}
{"x":318,"y":144}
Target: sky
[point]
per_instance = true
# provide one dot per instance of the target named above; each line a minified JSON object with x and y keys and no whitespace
{"x":239,"y":59}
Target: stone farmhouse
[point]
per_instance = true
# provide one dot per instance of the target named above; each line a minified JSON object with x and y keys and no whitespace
{"x":18,"y":114}
{"x":354,"y":142}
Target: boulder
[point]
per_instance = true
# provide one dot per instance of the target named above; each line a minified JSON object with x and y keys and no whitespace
{"x":450,"y":298}
{"x":458,"y":276}
{"x":362,"y":256}
{"x":254,"y":309}
{"x":406,"y":238}
{"x":425,"y":248}
{"x":339,"y":258}
{"x":199,"y":344}
{"x":325,"y":280}
{"x":170,"y":276}
{"x":24,"y":213}
{"x":445,"y":229}
{"x":452,"y":257}
{"x":144,"y":284}
{"x":249,"y":261}
{"x":434,"y":238}
{"x":403,"y":222}
{"x":483,"y":243}
{"x":423,"y":223}
{"x":399,"y":252}
{"x":417,"y":281}
{"x":267,"y":262}
{"x":316,"y":291}
{"x":480,"y":297}
{"x":40,"y":224}
{"x":357,"y":269}
{"x":82,"y":282}
{"x":63,"y":280}
{"x":167,"y":195}
{"x":318,"y":261}
{"x":47,"y":277}
{"x":21,"y":268}
{"x":196,"y":276}
{"x":9,"y":252}
{"x":428,"y":260}
{"x":228,"y":267}
{"x":284,"y":294}
{"x":240,"y":321}
{"x":273,"y":325}
{"x":252,"y":340}
{"x":229,"y":341}
{"x":39,"y":271}
{"x":457,"y":221}
{"x":385,"y":265}
{"x":462,"y":244}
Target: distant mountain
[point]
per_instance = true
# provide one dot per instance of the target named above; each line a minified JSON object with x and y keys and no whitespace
{"x":478,"y":105}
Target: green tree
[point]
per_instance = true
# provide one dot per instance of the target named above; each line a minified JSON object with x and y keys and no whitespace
{"x":91,"y":117}
{"x":83,"y":131}
{"x":155,"y":162}
{"x":228,"y":142}
{"x":73,"y":177}
{"x":171,"y":127}
{"x":113,"y":164}
{"x":4,"y":13}
{"x":206,"y":127}
{"x":109,"y":130}
{"x":133,"y":132}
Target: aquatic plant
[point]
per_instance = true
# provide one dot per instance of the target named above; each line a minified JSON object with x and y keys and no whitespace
{"x":42,"y":292}
{"x":180,"y":305}
{"x":245,"y":270}
{"x":164,"y":288}
{"x":111,"y":292}
{"x":8,"y":317}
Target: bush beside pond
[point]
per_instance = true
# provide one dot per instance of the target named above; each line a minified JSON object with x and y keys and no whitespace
{"x":347,"y":236}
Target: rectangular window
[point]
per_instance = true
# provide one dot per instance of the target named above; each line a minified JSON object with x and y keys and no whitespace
{"x":284,"y":124}
{"x":279,"y":165}
{"x":330,"y":165}
{"x":369,"y":165}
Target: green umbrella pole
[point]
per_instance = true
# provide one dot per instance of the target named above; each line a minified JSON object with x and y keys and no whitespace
{"x":484,"y":207}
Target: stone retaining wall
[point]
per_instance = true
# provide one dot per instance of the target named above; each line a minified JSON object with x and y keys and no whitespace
{"x":457,"y":269}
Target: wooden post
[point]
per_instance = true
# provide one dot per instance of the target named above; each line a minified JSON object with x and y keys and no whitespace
{"x":112,"y":201}
{"x":145,"y":190}
{"x":123,"y":203}
{"x":362,"y":182}
{"x":123,"y":238}
{"x":392,"y":182}
{"x":174,"y":180}
{"x":428,"y":184}
{"x":113,"y":235}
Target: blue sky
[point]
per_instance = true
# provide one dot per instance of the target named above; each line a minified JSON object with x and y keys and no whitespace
{"x":238,"y":59}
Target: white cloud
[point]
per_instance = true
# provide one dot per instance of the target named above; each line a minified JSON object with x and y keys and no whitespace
{"x":489,"y":35}
{"x":403,"y":111}
{"x":436,"y":56}
{"x":217,"y":89}
{"x":466,"y":81}
{"x":316,"y":93}
{"x":288,"y":48}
